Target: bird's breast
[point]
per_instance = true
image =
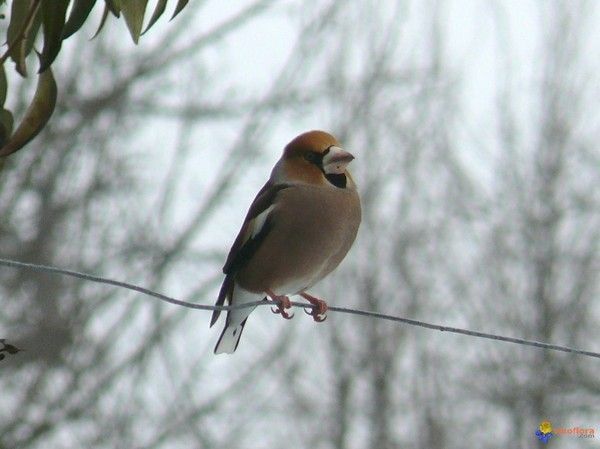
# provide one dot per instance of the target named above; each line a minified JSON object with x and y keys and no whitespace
{"x":312,"y":229}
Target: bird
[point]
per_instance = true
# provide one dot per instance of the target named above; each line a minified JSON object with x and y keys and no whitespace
{"x":298,"y":229}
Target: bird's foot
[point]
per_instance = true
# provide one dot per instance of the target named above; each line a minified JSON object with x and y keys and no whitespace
{"x":319,"y":311}
{"x":283,"y":302}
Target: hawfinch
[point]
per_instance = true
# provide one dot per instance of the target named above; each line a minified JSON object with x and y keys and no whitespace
{"x":297,"y":231}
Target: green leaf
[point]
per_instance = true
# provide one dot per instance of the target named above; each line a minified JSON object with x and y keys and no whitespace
{"x":6,"y":126}
{"x":114,"y":6}
{"x":19,"y":47}
{"x":53,"y":19}
{"x":3,"y":85}
{"x":180,"y":5}
{"x":133,"y":11}
{"x":159,"y":9}
{"x":102,"y":21}
{"x":37,"y":115}
{"x":18,"y":15}
{"x":6,"y":119}
{"x":79,"y":13}
{"x":32,"y":32}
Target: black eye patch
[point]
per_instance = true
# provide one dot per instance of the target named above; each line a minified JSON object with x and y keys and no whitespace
{"x":338,"y":180}
{"x":314,"y":158}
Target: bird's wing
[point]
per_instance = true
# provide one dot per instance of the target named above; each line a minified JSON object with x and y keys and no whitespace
{"x":257,"y":225}
{"x":255,"y":228}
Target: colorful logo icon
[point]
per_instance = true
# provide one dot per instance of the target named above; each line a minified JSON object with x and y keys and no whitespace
{"x":544,"y":432}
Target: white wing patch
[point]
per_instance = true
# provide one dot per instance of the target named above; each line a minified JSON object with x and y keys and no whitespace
{"x":260,"y":220}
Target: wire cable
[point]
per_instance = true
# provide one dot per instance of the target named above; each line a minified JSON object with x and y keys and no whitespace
{"x":382,"y":316}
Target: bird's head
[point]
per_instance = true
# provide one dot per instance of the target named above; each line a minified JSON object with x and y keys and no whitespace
{"x":316,"y":157}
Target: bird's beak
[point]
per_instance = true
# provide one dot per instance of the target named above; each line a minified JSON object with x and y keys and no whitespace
{"x":336,"y":160}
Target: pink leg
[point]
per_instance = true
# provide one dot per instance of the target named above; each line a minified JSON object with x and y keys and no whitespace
{"x":283,"y":302}
{"x":320,"y":309}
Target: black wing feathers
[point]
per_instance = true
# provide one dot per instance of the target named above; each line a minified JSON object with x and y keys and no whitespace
{"x":243,"y":248}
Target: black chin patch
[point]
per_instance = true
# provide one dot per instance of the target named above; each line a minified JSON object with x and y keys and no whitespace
{"x":338,"y":180}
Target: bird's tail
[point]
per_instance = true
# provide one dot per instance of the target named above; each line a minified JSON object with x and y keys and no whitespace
{"x":226,"y":292}
{"x":236,"y":319}
{"x":230,"y":338}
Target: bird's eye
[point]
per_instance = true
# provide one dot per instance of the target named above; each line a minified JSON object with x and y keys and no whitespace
{"x":311,"y":157}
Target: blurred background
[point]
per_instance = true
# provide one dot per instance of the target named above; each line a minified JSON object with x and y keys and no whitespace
{"x":475,"y":128}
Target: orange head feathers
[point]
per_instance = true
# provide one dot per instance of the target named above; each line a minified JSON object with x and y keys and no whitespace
{"x":315,"y":141}
{"x":315,"y":157}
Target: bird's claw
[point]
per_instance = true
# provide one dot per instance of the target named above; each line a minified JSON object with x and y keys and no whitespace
{"x":319,"y":319}
{"x":314,"y":312}
{"x":280,"y":310}
{"x":319,"y":309}
{"x":283,"y":302}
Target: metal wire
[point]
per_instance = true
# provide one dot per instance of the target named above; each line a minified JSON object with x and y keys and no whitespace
{"x":381,"y":316}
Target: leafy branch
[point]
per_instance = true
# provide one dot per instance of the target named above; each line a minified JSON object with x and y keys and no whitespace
{"x":21,"y":35}
{"x":58,"y":20}
{"x":7,"y":348}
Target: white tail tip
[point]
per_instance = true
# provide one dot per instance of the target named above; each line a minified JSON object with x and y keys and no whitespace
{"x":229,"y":339}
